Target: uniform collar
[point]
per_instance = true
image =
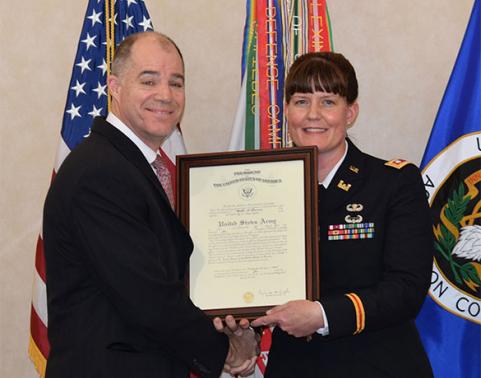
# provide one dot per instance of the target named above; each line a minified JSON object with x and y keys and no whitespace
{"x":348,"y":177}
{"x":327,"y":180}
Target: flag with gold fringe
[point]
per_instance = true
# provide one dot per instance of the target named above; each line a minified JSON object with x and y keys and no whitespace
{"x":106,"y":24}
{"x":276,"y":32}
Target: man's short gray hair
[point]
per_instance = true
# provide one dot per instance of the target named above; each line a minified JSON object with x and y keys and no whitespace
{"x":124,"y":49}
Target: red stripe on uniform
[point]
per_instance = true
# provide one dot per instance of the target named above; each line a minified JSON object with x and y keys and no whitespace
{"x":362,"y":315}
{"x":356,"y":310}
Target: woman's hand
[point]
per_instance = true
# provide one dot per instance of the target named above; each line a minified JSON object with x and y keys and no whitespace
{"x":298,"y":318}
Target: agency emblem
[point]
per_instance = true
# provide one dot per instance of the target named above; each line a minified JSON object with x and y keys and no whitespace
{"x":453,"y":184}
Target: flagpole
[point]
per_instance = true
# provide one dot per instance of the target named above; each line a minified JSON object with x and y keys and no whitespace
{"x":110,"y":40}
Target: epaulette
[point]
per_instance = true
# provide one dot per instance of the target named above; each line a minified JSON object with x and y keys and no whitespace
{"x":397,"y":163}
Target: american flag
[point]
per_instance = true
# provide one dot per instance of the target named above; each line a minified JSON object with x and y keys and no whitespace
{"x":87,"y":98}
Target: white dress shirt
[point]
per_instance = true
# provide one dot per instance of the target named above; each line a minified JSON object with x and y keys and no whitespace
{"x":148,"y":152}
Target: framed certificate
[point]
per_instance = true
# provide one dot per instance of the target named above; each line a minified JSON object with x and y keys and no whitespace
{"x":253,"y":218}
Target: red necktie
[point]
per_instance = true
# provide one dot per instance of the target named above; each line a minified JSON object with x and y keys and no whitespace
{"x":163,"y":175}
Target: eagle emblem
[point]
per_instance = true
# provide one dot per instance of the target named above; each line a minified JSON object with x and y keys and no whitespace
{"x":469,"y":243}
{"x":453,"y":187}
{"x":458,"y":233}
{"x":247,"y":192}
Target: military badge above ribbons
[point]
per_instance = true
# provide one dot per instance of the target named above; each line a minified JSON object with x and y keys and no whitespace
{"x":450,"y":320}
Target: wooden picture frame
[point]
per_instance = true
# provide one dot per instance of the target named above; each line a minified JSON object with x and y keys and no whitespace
{"x":253,"y":218}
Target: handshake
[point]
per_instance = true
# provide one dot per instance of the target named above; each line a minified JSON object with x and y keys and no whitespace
{"x":243,"y":346}
{"x":299,"y":318}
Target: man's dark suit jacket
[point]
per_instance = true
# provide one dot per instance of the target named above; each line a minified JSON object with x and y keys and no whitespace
{"x":116,"y":256}
{"x":389,"y":271}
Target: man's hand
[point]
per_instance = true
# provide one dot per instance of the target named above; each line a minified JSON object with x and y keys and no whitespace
{"x":243,"y":346}
{"x":298,"y":318}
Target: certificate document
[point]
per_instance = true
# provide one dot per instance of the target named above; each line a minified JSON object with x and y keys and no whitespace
{"x":248,"y":224}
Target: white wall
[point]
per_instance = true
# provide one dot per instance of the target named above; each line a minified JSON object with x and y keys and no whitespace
{"x":403,"y":52}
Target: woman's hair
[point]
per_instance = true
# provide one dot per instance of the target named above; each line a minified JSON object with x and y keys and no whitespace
{"x":324,"y":72}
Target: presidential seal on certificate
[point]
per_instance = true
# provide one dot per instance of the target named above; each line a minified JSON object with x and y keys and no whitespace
{"x":253,"y":218}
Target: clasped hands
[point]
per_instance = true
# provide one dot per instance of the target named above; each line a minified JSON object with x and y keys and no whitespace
{"x":243,"y":346}
{"x":299,"y":318}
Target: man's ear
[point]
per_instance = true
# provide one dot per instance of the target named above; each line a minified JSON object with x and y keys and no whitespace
{"x":114,"y":86}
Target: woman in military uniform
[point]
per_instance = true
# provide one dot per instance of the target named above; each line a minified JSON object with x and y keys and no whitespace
{"x":375,"y":244}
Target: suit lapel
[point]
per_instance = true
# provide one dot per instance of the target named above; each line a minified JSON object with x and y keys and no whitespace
{"x":129,"y":150}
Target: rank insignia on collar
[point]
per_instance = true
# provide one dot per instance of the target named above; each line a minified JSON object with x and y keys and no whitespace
{"x":351,"y":231}
{"x":354,"y":169}
{"x":342,"y":185}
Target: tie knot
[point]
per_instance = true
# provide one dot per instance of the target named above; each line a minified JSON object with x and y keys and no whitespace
{"x":159,"y":163}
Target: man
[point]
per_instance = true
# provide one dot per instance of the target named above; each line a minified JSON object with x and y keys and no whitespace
{"x":115,"y":251}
